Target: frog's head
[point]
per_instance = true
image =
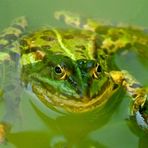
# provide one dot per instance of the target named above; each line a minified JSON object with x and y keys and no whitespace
{"x":76,"y":85}
{"x":65,"y":68}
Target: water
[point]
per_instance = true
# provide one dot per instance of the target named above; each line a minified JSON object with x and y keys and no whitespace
{"x":109,"y":127}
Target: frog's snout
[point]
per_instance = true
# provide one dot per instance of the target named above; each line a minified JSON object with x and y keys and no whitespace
{"x":81,"y":86}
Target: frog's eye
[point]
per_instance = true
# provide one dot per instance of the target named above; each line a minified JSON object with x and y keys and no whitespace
{"x":60,"y":72}
{"x":98,"y":68}
{"x":97,"y":71}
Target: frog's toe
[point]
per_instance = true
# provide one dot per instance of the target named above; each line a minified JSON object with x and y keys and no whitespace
{"x":139,"y":104}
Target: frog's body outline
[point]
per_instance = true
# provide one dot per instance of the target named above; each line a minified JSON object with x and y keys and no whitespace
{"x":121,"y":78}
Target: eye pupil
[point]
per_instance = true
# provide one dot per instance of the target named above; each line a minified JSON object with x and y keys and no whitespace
{"x":99,"y":69}
{"x":58,"y":69}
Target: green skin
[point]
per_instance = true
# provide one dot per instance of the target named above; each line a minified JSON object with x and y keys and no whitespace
{"x":71,"y":68}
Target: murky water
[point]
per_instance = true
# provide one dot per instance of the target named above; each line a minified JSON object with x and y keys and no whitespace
{"x":109,"y":127}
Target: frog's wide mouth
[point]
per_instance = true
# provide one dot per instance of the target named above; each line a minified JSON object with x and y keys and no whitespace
{"x":70,"y":104}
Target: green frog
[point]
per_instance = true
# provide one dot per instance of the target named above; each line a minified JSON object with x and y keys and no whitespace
{"x":71,"y":68}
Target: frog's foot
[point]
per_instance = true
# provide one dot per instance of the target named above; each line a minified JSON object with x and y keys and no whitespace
{"x":74,"y":19}
{"x":139,"y":101}
{"x":138,"y":94}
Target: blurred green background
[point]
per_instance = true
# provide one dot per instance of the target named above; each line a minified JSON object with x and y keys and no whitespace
{"x":40,"y":11}
{"x":43,"y":128}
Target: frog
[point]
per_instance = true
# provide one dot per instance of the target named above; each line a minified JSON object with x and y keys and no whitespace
{"x":71,"y":68}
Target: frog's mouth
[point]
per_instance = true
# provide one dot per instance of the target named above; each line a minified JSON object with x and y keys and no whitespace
{"x":70,"y":104}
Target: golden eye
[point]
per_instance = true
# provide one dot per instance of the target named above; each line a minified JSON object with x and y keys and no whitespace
{"x":60,"y":71}
{"x":97,"y":71}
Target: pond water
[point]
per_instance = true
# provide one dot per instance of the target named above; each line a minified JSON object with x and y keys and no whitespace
{"x":108,"y":127}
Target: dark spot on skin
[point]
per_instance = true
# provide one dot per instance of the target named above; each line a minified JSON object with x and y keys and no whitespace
{"x":10,"y":37}
{"x":115,"y":86}
{"x":102,"y":57}
{"x":102,"y":29}
{"x":18,"y":27}
{"x":128,"y":46}
{"x":98,"y":41}
{"x":23,"y":43}
{"x":134,"y":95}
{"x":68,"y":36}
{"x":32,"y":49}
{"x":114,"y":37}
{"x":83,"y":56}
{"x":80,"y":51}
{"x":46,"y":47}
{"x":105,"y":51}
{"x":85,"y":36}
{"x":136,"y":85}
{"x":47,"y":38}
{"x":32,"y":34}
{"x":81,"y":47}
{"x":45,"y":31}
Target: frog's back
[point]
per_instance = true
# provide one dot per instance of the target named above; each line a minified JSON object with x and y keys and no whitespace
{"x":74,"y":43}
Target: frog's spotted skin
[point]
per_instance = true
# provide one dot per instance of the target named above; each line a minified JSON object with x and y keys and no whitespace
{"x":71,"y":68}
{"x":75,"y":97}
{"x":10,"y":34}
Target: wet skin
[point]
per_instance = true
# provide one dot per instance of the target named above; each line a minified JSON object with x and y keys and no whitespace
{"x":72,"y":68}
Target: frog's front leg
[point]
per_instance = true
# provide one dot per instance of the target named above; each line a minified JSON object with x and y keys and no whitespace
{"x":10,"y":88}
{"x":133,"y":87}
{"x":13,"y":32}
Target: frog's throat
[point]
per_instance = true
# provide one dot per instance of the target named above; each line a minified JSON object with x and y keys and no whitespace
{"x":72,"y":105}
